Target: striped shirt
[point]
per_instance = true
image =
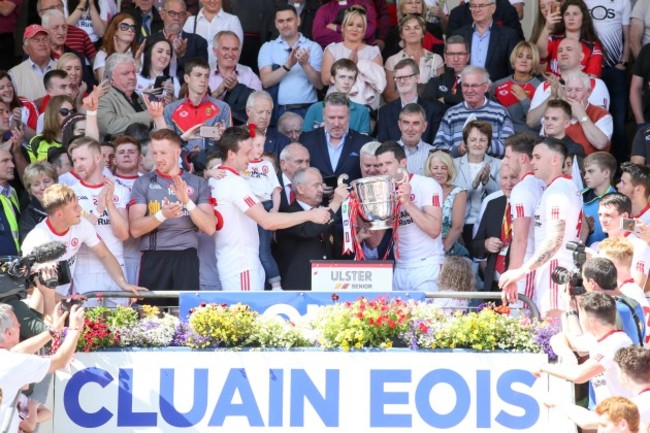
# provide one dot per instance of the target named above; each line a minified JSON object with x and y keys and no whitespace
{"x":415,"y":159}
{"x":79,"y":41}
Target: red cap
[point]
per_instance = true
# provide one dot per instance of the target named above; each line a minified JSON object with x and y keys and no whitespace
{"x":33,"y":30}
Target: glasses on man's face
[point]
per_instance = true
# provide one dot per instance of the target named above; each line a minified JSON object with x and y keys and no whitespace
{"x":126,"y":27}
{"x":65,"y":112}
{"x":479,"y":6}
{"x":174,"y":14}
{"x":404,"y":77}
{"x":50,"y":8}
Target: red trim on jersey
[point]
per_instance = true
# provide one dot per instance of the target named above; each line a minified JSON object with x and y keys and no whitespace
{"x":530,"y":173}
{"x":87,"y":185}
{"x":643,"y":391}
{"x":560,"y":176}
{"x":519,"y":210}
{"x":249,"y":201}
{"x":166,"y":176}
{"x":436,"y":200}
{"x":255,"y":161}
{"x":74,"y":174}
{"x":49,"y":226}
{"x":121,"y":176}
{"x":644,"y":210}
{"x":232,"y":170}
{"x":628,"y":281}
{"x":245,"y":281}
{"x":613,"y":331}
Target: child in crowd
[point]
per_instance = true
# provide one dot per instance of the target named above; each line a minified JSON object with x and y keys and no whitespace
{"x":456,"y":276}
{"x":600,"y":168}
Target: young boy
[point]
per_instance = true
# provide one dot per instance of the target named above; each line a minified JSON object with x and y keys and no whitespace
{"x":344,"y":75}
{"x":599,"y":172}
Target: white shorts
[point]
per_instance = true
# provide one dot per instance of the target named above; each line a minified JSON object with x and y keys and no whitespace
{"x":548,"y":295}
{"x":422,"y":278}
{"x":98,"y":282}
{"x":247,"y":281}
{"x":132,"y":269}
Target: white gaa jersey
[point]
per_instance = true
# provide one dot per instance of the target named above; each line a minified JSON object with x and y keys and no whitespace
{"x":642,"y":402}
{"x":70,"y":178}
{"x":237,"y":242}
{"x":261,"y":178}
{"x":641,"y":255}
{"x":524,"y":198}
{"x":131,"y":245}
{"x":608,"y":383}
{"x":644,"y":215}
{"x":88,"y":197}
{"x":82,"y":233}
{"x":560,"y":201}
{"x":415,"y":245}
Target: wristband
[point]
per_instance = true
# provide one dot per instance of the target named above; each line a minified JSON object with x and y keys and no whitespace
{"x":91,"y":113}
{"x":159,"y":216}
{"x":286,"y":68}
{"x":190,"y":206}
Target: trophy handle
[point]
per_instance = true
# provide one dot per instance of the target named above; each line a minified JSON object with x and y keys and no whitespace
{"x":401,"y":176}
{"x":341,"y":180}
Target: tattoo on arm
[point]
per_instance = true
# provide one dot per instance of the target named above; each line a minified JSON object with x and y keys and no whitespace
{"x":551,"y":245}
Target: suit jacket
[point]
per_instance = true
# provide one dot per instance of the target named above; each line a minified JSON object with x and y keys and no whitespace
{"x":504,"y":15}
{"x":275,"y":141}
{"x":284,"y":203}
{"x":157,"y":23}
{"x":443,"y":86}
{"x":388,"y":116}
{"x":502,"y":42}
{"x":316,"y":143}
{"x":115,"y":113}
{"x":489,"y":227}
{"x":297,"y":246}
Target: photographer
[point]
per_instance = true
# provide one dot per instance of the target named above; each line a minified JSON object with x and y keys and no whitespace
{"x":20,"y":367}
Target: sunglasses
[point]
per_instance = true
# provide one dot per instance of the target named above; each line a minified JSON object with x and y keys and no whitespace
{"x":65,"y":112}
{"x":126,"y":27}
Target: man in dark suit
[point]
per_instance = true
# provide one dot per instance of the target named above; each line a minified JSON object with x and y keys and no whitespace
{"x":407,"y":75}
{"x":300,"y":244}
{"x":293,"y":157}
{"x":504,"y":15}
{"x":335,"y":148}
{"x":494,"y":234}
{"x":492,"y":54}
{"x":259,"y":109}
{"x":147,"y":18}
{"x":186,"y":46}
{"x":446,"y":88}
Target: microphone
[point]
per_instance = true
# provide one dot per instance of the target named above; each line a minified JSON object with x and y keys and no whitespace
{"x":47,"y":252}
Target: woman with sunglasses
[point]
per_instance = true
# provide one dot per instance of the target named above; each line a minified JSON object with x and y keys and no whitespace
{"x":57,"y":110}
{"x":328,"y":22}
{"x":369,"y":85}
{"x":120,"y":37}
{"x":412,"y":30}
{"x":155,"y":66}
{"x":440,"y":167}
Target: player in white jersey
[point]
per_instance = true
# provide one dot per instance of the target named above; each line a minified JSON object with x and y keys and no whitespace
{"x":419,"y":240}
{"x":524,"y":198}
{"x":635,"y":184}
{"x":127,"y":161}
{"x":558,"y":220}
{"x":612,"y":209}
{"x":103,"y":203}
{"x":64,"y":223}
{"x":634,"y":365}
{"x":237,"y":241}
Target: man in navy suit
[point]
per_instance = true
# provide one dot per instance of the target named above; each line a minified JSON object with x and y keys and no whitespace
{"x":407,"y":75}
{"x":186,"y":45}
{"x":504,"y":15}
{"x":334,"y":148}
{"x":491,"y":43}
{"x":293,"y":157}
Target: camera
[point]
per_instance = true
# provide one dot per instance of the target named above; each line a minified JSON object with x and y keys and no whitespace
{"x":573,"y":277}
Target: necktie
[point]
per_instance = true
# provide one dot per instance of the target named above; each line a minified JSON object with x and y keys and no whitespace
{"x":146,"y":26}
{"x":506,"y":238}
{"x":292,"y":195}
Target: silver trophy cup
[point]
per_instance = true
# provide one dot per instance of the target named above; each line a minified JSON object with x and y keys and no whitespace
{"x":377,"y":200}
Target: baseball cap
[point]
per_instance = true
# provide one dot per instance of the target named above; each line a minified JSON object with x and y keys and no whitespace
{"x":33,"y":30}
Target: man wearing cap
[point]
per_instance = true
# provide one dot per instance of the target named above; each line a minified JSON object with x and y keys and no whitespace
{"x":28,"y":75}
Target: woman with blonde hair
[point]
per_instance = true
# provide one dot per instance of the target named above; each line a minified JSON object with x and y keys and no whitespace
{"x":440,"y":167}
{"x":371,"y":79}
{"x":38,"y":176}
{"x":59,"y":107}
{"x":72,"y":65}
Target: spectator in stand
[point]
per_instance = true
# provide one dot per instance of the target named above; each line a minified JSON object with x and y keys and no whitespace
{"x":441,"y":168}
{"x":56,"y":83}
{"x":292,"y":158}
{"x":259,"y":109}
{"x":121,"y":106}
{"x":505,"y":15}
{"x":290,"y":125}
{"x":10,"y":210}
{"x":290,"y":66}
{"x":641,"y":146}
{"x":639,"y":26}
{"x":412,"y":125}
{"x":71,"y":64}
{"x":593,"y":129}
{"x":572,"y":20}
{"x":328,"y":23}
{"x":306,"y":10}
{"x":557,"y":118}
{"x":8,"y":20}
{"x":406,"y":78}
{"x":28,"y":75}
{"x":119,"y":38}
{"x":37,"y":178}
{"x":412,"y":31}
{"x":92,"y":17}
{"x":371,"y":83}
{"x":147,"y":17}
{"x":74,"y":126}
{"x":211,"y":20}
{"x":516,"y":91}
{"x":569,"y":57}
{"x":344,"y":74}
{"x":60,"y":107}
{"x":477,"y":171}
{"x":491,"y":44}
{"x":446,"y":88}
{"x":600,"y":168}
{"x":475,"y":83}
{"x":635,"y":184}
{"x":433,"y":39}
{"x":76,"y":38}
{"x":155,"y":67}
{"x":334,"y":148}
{"x":21,"y":108}
{"x":640,"y":88}
{"x":538,"y":26}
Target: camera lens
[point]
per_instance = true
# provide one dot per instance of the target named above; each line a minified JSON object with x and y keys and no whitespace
{"x":560,"y":275}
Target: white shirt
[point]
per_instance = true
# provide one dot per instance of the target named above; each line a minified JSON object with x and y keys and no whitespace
{"x":82,"y":233}
{"x":415,"y":245}
{"x":609,"y":17}
{"x":524,"y":198}
{"x":261,"y":178}
{"x":608,"y":383}
{"x":131,"y":245}
{"x":599,"y":95}
{"x":208,"y":29}
{"x":238,"y":242}
{"x":644,"y":215}
{"x":642,"y":402}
